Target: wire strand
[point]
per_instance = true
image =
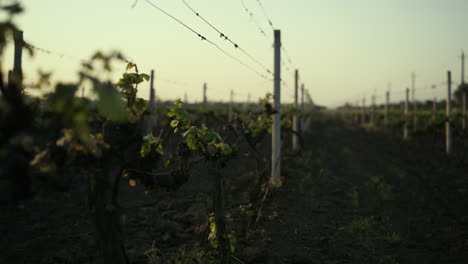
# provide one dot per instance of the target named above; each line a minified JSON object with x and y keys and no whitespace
{"x":204,"y":38}
{"x":222,"y":35}
{"x":252,"y":17}
{"x":267,"y":17}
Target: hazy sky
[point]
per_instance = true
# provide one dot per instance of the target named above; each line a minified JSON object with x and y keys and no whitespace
{"x":343,"y":49}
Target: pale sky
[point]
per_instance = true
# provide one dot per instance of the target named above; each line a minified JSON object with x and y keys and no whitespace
{"x":344,"y":49}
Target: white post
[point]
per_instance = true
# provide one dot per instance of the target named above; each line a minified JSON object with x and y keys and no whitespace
{"x":463,"y":67}
{"x":302,"y":128}
{"x":276,"y":131}
{"x":405,"y":128}
{"x":387,"y":99}
{"x":302,"y":97}
{"x":204,"y":95}
{"x":413,"y":91}
{"x":448,"y":132}
{"x":151,"y":122}
{"x":247,"y":104}
{"x":363,"y":111}
{"x":464,"y":111}
{"x":295,"y":125}
{"x":373,"y":110}
{"x":231,"y":106}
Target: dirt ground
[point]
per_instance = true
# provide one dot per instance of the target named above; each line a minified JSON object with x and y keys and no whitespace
{"x":352,"y":195}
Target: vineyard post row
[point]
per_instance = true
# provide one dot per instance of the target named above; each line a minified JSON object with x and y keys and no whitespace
{"x":16,"y":74}
{"x":358,"y":114}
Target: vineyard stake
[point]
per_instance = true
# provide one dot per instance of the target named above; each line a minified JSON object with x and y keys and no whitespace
{"x":363,"y":111}
{"x":17,"y":74}
{"x":204,"y":95}
{"x":373,"y":110}
{"x":413,"y":91}
{"x":247,"y":104}
{"x":231,"y":106}
{"x":463,"y":67}
{"x":356,"y":112}
{"x":295,"y":125}
{"x":152,"y":119}
{"x":464,"y":111}
{"x":387,"y":100}
{"x":302,"y":97}
{"x":405,"y":129}
{"x":448,"y":134}
{"x":302,"y":128}
{"x":434,"y":108}
{"x":276,"y":131}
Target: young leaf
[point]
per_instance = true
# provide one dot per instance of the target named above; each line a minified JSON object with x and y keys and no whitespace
{"x":110,"y":103}
{"x":129,"y":66}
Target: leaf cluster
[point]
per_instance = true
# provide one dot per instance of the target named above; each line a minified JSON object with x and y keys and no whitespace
{"x":201,"y":139}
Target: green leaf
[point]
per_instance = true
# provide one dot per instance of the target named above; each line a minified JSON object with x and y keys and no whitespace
{"x":145,"y":148}
{"x":140,"y":105}
{"x":167,"y":162}
{"x":110,"y":103}
{"x":178,"y":103}
{"x":149,"y":142}
{"x":129,"y":66}
{"x":191,"y":141}
{"x":145,"y":76}
{"x":174,"y":123}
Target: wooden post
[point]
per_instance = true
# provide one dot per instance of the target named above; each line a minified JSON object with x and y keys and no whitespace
{"x":276,"y":131}
{"x":19,"y":43}
{"x":448,"y":132}
{"x":405,"y":128}
{"x":464,"y":111}
{"x":185,"y":98}
{"x":387,"y":100}
{"x":434,"y":108}
{"x":17,"y":75}
{"x":204,"y":95}
{"x":295,"y":121}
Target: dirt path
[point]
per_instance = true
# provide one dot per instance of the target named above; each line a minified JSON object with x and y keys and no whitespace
{"x":363,"y":197}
